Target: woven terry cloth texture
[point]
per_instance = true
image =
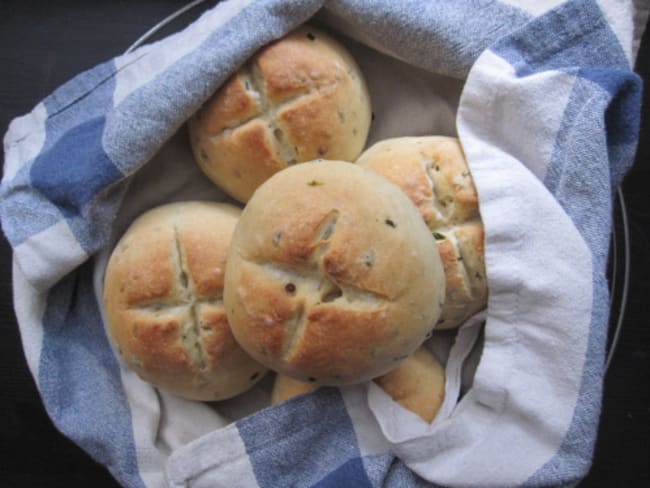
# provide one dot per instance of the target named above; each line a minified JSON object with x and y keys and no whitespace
{"x":548,"y":115}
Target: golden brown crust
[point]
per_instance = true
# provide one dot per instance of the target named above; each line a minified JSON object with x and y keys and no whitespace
{"x":230,"y":107}
{"x":163,"y":301}
{"x":330,"y":275}
{"x":417,"y":384}
{"x":246,"y":155}
{"x":471,"y":243}
{"x":299,"y":98}
{"x":363,"y":338}
{"x":285,"y":387}
{"x":433,"y":173}
{"x":147,"y":283}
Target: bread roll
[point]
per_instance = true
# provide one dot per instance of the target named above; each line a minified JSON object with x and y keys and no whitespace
{"x":163,"y":302}
{"x":332,"y":276}
{"x":300,"y":98}
{"x":285,"y":387}
{"x":417,"y":384}
{"x":433,"y":173}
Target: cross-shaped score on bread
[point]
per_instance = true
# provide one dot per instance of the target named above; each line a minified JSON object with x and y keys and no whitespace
{"x":254,"y":116}
{"x":300,"y":98}
{"x":163,"y":300}
{"x":311,"y":284}
{"x":332,"y":276}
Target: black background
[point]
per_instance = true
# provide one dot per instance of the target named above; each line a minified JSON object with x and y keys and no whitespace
{"x":43,"y":44}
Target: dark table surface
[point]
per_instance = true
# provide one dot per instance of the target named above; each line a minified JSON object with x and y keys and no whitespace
{"x":43,"y":44}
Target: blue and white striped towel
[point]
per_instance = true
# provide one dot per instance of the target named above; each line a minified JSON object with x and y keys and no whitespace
{"x":547,"y":110}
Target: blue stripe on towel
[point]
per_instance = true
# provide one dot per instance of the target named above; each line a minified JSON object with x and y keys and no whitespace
{"x":75,"y":169}
{"x":349,"y":475}
{"x":568,"y":38}
{"x":24,"y":211}
{"x":455,"y":33}
{"x":622,"y":116}
{"x":79,"y":377}
{"x":139,"y":127}
{"x":327,"y":448}
{"x":27,"y":208}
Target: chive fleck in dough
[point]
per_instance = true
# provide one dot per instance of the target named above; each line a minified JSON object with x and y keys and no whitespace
{"x":332,"y":276}
{"x":417,"y":384}
{"x":433,"y":173}
{"x":299,"y":98}
{"x":163,"y":301}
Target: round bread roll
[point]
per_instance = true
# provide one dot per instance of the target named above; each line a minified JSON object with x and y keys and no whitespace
{"x":285,"y":387}
{"x":300,"y":98}
{"x":330,"y":276}
{"x":433,"y":173}
{"x":163,"y":293}
{"x":417,"y":384}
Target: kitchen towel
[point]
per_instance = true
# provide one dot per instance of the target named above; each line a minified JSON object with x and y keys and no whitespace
{"x":544,"y":100}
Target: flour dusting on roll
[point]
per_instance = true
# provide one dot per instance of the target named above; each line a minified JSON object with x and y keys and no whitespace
{"x":332,"y":276}
{"x":299,"y":98}
{"x":163,"y":301}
